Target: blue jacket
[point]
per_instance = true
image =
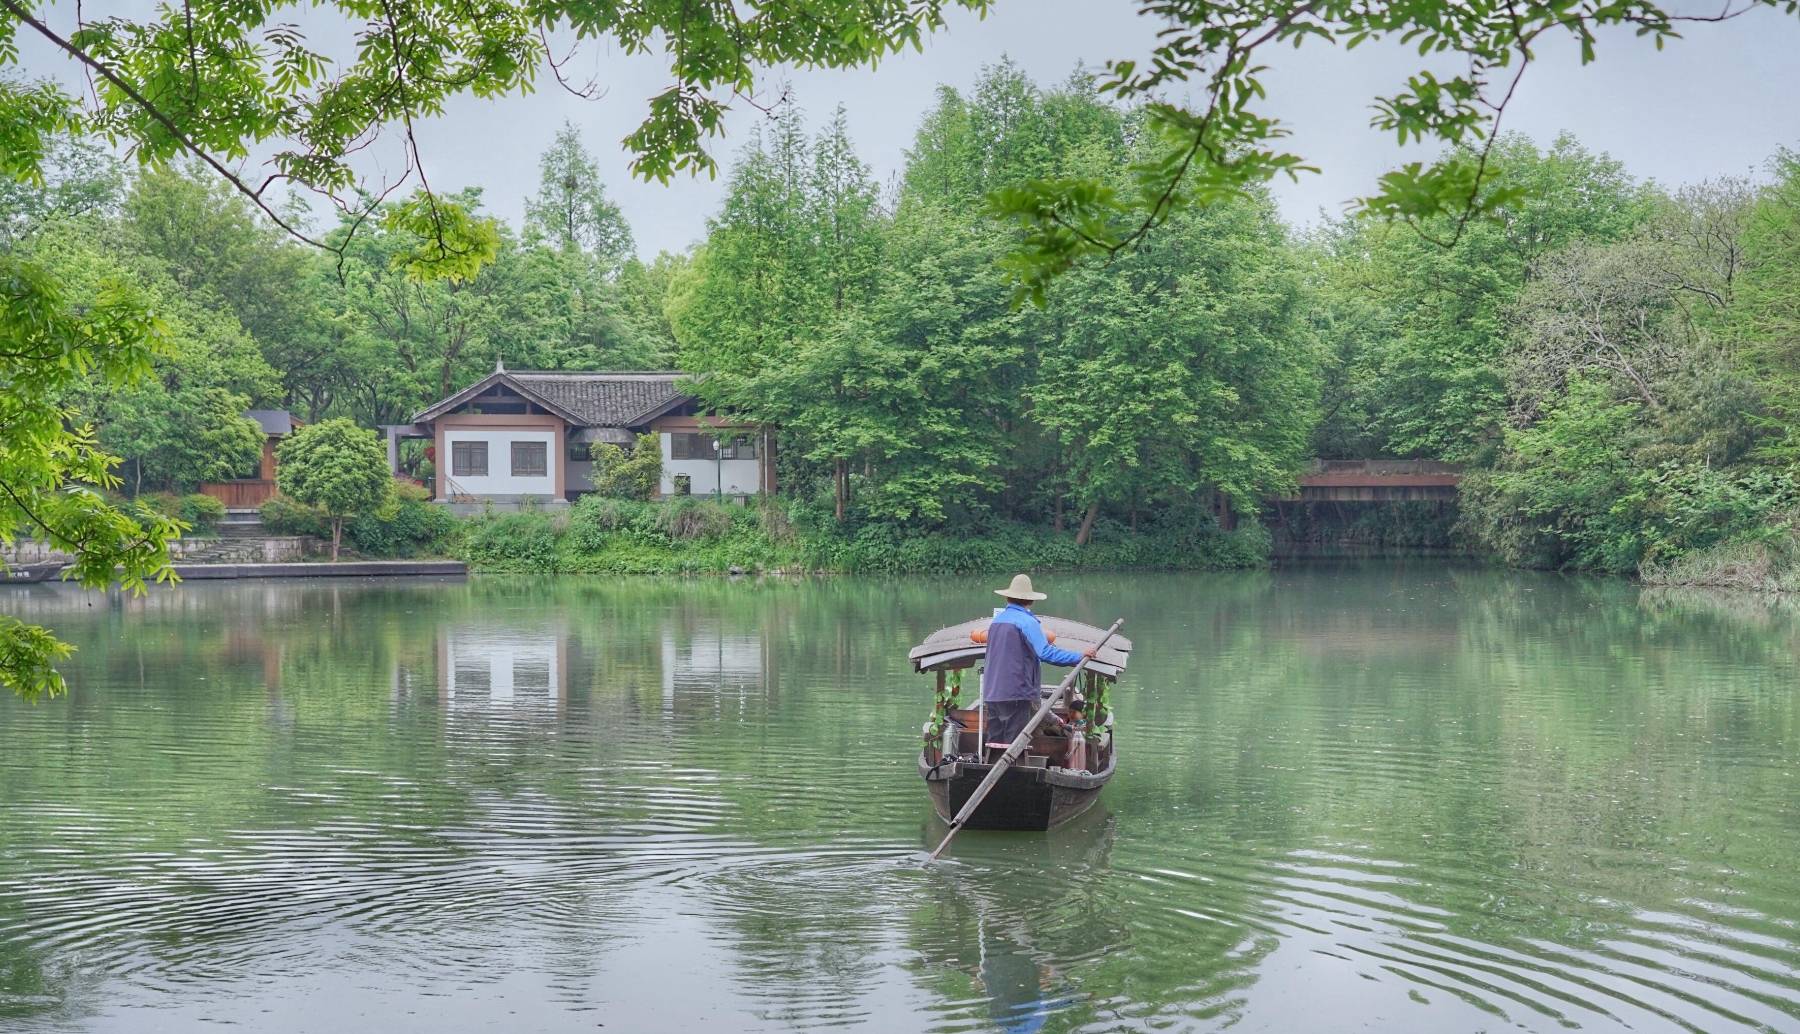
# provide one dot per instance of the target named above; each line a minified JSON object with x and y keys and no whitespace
{"x":1012,"y":659}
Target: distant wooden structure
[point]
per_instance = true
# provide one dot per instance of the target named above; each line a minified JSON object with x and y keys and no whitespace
{"x":1376,"y":481}
{"x":250,"y":493}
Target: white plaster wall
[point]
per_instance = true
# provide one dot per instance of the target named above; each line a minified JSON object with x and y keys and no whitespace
{"x":499,"y":479}
{"x":741,"y":477}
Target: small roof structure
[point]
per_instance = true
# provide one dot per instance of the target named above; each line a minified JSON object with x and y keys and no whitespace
{"x":953,"y":647}
{"x":274,"y":422}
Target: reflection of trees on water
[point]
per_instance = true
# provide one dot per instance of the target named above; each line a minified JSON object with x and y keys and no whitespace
{"x":1519,"y":755}
{"x":1526,"y":760}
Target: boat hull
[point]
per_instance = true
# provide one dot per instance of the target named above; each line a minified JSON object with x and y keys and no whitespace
{"x":1024,"y":799}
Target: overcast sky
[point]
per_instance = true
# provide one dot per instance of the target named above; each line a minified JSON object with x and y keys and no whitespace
{"x":1717,"y":103}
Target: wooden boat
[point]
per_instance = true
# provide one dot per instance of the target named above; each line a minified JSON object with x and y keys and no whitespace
{"x":1040,"y":791}
{"x":27,"y":573}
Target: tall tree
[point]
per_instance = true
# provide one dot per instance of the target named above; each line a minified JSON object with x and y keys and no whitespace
{"x":339,"y":468}
{"x":1428,"y":356}
{"x":1182,"y":367}
{"x":1765,"y":315}
{"x":571,"y":209}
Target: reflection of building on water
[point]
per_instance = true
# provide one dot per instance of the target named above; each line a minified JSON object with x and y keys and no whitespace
{"x":482,"y":666}
{"x":471,"y":665}
{"x":712,"y":660}
{"x":492,"y":666}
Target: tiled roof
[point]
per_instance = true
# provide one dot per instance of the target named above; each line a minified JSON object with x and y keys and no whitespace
{"x":603,"y":399}
{"x":273,"y":421}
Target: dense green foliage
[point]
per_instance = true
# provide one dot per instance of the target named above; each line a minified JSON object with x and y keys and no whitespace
{"x":337,"y":468}
{"x":602,"y":535}
{"x":1613,"y":361}
{"x":634,"y":474}
{"x":407,"y":524}
{"x":201,"y":513}
{"x":908,"y":386}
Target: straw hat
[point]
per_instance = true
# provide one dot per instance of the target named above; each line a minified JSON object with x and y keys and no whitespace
{"x":1020,"y":589}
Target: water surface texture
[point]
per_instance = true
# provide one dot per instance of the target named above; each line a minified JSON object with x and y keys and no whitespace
{"x":1350,"y":798}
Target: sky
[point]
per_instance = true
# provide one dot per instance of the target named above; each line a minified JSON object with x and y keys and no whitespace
{"x":1719,"y":102}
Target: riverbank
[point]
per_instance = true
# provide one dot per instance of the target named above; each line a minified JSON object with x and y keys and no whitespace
{"x":324,"y":569}
{"x":1766,"y":562}
{"x":612,"y":536}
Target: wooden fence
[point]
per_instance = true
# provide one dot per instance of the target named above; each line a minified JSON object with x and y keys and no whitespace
{"x":247,"y":494}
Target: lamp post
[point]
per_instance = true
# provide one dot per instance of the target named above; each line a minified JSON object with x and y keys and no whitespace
{"x":718,"y":471}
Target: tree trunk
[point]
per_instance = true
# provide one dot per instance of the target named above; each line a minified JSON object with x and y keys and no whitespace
{"x":841,"y":482}
{"x":337,"y":536}
{"x":1059,"y":513}
{"x":1087,"y":523}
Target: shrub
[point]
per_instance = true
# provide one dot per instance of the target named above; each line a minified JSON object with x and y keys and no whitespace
{"x":166,"y":503}
{"x":202,"y":512}
{"x":777,"y":523}
{"x":408,"y":526}
{"x":628,"y":475}
{"x":595,"y":519}
{"x":284,"y":516}
{"x":687,"y":520}
{"x":409,"y":492}
{"x":888,"y":549}
{"x":523,"y":542}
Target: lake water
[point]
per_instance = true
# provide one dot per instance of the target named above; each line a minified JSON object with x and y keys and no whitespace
{"x":1385,"y":798}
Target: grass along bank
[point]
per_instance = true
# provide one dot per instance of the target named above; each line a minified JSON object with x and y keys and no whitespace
{"x":601,"y":535}
{"x":1764,"y":559}
{"x":607,"y":535}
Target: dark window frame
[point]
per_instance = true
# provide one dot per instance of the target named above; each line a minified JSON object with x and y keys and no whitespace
{"x":690,"y":445}
{"x":542,"y":464}
{"x":738,"y":447}
{"x":462,"y":457}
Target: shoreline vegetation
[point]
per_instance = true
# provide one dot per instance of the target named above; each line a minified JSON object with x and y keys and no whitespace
{"x":602,"y":535}
{"x":607,"y":535}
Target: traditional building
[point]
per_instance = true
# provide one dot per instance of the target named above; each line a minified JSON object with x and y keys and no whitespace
{"x":518,"y":434}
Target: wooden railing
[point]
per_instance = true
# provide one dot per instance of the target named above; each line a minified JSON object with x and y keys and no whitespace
{"x":247,"y":494}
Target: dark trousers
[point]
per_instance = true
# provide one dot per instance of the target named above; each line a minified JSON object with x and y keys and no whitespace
{"x":1007,"y":718}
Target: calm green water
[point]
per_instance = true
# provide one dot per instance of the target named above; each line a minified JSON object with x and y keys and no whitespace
{"x":1372,"y":798}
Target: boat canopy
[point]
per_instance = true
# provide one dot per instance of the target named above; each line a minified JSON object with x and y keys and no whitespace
{"x":955,"y":647}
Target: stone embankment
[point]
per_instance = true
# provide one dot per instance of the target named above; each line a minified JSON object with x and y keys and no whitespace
{"x":235,"y":554}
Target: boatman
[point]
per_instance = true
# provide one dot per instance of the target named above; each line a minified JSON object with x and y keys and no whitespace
{"x":1011,"y":687}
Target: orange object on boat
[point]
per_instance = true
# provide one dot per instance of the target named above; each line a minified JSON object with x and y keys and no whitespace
{"x":980,"y":635}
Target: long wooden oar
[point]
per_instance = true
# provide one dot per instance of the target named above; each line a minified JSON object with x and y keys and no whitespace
{"x":1017,"y":747}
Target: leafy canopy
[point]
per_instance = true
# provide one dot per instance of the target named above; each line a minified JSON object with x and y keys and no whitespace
{"x":51,"y":466}
{"x":336,"y":466}
{"x":1225,"y":143}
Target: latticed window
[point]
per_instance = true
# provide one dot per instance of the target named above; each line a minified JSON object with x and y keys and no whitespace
{"x":688,"y":445}
{"x":530,"y":459}
{"x":468,"y":459}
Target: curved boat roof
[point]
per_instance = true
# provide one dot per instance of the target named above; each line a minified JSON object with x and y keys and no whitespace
{"x":952,"y":648}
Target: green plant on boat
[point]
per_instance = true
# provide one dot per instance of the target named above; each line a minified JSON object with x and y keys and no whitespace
{"x":947,"y":700}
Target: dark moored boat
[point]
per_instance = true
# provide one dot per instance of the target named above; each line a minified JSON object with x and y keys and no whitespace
{"x":15,"y":573}
{"x":1042,"y":790}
